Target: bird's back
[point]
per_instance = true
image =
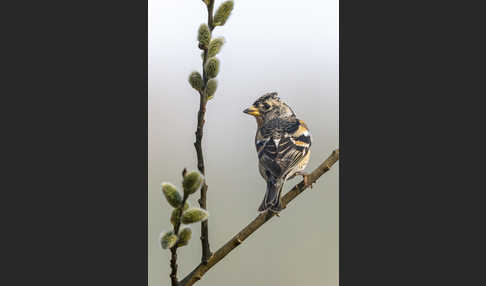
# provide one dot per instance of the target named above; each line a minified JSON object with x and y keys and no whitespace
{"x":278,"y":146}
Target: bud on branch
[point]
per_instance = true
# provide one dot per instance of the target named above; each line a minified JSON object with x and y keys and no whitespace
{"x":196,"y":81}
{"x":212,"y":67}
{"x":171,"y":195}
{"x":184,"y":236}
{"x":192,"y":182}
{"x":204,"y":35}
{"x":168,"y":239}
{"x":193,"y":215}
{"x":215,"y":46}
{"x":223,"y":13}
{"x":211,"y":88}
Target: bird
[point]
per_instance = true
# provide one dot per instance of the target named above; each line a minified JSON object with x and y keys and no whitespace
{"x":282,"y":143}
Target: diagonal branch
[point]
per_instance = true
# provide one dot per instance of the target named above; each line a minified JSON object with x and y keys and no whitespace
{"x":262,"y":218}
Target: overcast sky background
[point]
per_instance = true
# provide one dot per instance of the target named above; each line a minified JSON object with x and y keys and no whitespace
{"x":275,"y":45}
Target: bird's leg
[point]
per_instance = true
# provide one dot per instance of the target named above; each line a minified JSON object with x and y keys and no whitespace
{"x":305,"y":176}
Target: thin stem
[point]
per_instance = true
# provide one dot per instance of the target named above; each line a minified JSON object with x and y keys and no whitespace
{"x":210,"y":14}
{"x":206,"y":250}
{"x":173,"y":266}
{"x":173,"y":250}
{"x":261,"y":219}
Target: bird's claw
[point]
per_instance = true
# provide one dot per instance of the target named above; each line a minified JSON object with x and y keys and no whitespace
{"x":305,"y":177}
{"x":274,"y":212}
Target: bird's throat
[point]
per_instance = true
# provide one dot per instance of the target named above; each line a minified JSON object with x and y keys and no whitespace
{"x":259,"y":120}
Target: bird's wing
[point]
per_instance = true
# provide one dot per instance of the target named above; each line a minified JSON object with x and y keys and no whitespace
{"x":281,"y":145}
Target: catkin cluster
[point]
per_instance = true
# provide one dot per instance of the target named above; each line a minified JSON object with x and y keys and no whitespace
{"x":182,"y":213}
{"x":207,"y":84}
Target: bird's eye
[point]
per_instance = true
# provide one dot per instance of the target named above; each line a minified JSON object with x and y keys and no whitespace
{"x":266,"y":105}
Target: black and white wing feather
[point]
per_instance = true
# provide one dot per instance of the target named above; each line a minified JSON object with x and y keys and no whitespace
{"x":281,"y":145}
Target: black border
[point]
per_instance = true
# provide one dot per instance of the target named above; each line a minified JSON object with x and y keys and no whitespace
{"x":78,"y":78}
{"x":409,"y":123}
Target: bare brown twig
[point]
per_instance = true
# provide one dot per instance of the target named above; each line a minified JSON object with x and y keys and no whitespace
{"x":262,"y":218}
{"x":173,"y":266}
{"x":206,"y":250}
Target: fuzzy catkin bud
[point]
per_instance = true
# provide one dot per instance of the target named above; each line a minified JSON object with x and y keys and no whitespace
{"x":215,"y":46}
{"x":192,"y":181}
{"x":171,"y":195}
{"x":175,"y":216}
{"x":196,"y":81}
{"x":211,"y":88}
{"x":184,"y":236}
{"x":193,"y":215}
{"x":186,"y":206}
{"x":204,"y":35}
{"x":168,"y":239}
{"x":223,"y":13}
{"x":212,"y":67}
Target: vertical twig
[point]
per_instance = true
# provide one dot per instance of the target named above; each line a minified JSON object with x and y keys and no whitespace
{"x":173,"y":266}
{"x":206,"y":251}
{"x":173,"y":250}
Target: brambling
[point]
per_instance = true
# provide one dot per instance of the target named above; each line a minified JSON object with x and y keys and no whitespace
{"x":283,"y":145}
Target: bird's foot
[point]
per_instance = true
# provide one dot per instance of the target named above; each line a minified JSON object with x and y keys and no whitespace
{"x":305,"y":177}
{"x":277,"y":213}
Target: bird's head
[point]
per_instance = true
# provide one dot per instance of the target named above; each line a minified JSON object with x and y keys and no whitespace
{"x":269,"y":106}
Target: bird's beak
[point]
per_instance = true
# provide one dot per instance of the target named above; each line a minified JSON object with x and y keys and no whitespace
{"x":252,"y":111}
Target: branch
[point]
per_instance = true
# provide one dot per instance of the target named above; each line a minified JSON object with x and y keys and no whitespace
{"x":262,"y":218}
{"x":173,"y":267}
{"x":173,"y":250}
{"x":206,"y":251}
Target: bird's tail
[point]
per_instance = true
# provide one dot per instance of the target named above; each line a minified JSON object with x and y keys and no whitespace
{"x":272,"y":196}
